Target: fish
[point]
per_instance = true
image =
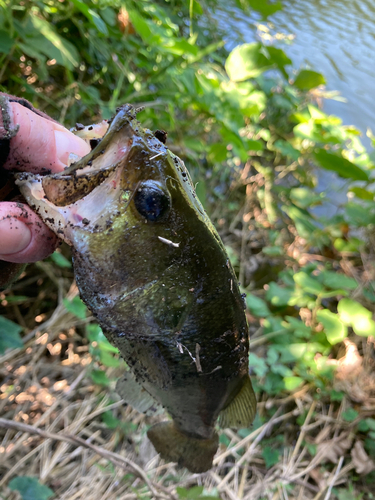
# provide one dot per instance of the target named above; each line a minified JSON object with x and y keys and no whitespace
{"x":152,"y":269}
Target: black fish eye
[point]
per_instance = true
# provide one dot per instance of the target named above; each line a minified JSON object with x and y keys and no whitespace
{"x":151,"y":201}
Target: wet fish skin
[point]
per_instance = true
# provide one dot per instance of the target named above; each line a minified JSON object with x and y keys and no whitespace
{"x":152,"y":269}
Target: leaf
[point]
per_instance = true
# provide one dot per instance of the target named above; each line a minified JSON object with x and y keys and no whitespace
{"x":95,"y":334}
{"x":9,"y":335}
{"x":286,"y":149}
{"x":246,"y":61}
{"x":92,"y":16}
{"x":308,"y":283}
{"x":277,"y":295}
{"x":99,"y":377}
{"x":110,"y":420}
{"x":270,"y":456}
{"x":335,"y":448}
{"x":340,"y":165}
{"x":359,"y":215}
{"x":349,"y":414}
{"x":68,"y":51}
{"x":362,"y":193}
{"x":336,"y":281}
{"x":307,"y":79}
{"x":258,"y":365}
{"x":291,"y":383}
{"x":108,"y":359}
{"x":59,"y":259}
{"x":6,"y":42}
{"x":362,"y":462}
{"x":334,"y":328}
{"x":265,"y":8}
{"x":280,"y":59}
{"x":257,"y":306}
{"x":30,"y":488}
{"x":358,"y":317}
{"x":76,"y":306}
{"x":305,"y":198}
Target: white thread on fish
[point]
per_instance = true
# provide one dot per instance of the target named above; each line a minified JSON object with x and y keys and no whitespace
{"x":196,"y":359}
{"x":168,"y":242}
{"x":153,"y":157}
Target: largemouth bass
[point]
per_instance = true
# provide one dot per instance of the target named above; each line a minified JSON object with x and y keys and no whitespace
{"x":151,"y":267}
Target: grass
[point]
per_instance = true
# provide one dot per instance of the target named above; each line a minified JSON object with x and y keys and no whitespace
{"x":80,"y":440}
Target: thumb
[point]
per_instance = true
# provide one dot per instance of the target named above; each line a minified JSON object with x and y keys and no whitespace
{"x":23,"y":236}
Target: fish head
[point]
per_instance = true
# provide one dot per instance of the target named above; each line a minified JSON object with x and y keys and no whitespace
{"x":128,"y":209}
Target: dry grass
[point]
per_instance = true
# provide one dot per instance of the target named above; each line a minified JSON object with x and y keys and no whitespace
{"x":51,"y":424}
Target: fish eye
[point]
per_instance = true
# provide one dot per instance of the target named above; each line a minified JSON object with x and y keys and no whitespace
{"x":151,"y":201}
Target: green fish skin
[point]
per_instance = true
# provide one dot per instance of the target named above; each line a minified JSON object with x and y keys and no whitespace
{"x":151,"y":267}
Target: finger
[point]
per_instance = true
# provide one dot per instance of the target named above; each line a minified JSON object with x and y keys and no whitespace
{"x":40,"y":145}
{"x":23,"y":236}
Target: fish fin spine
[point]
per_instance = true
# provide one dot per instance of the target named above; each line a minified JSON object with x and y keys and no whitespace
{"x":241,"y":410}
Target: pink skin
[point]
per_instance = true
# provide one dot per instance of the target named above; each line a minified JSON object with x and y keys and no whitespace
{"x":39,"y":145}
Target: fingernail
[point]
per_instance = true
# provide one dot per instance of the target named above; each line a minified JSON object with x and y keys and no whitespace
{"x":15,"y":236}
{"x":67,"y":143}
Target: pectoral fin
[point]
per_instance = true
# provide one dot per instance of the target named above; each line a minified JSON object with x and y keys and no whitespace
{"x":136,"y":396}
{"x":241,"y":410}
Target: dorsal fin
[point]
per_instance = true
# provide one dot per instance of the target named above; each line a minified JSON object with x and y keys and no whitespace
{"x":241,"y":410}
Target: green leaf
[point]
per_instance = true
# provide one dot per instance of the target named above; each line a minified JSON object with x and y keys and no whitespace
{"x":95,"y":334}
{"x":92,"y":16}
{"x":302,"y":219}
{"x":305,"y":198}
{"x":279,"y":57}
{"x":100,"y":377}
{"x":292,"y":383}
{"x":68,"y":51}
{"x":308,"y":283}
{"x":336,"y":281}
{"x":265,"y":8}
{"x":358,"y":317}
{"x":359,"y":215}
{"x":257,"y":306}
{"x":9,"y":335}
{"x":30,"y":488}
{"x":190,"y":493}
{"x":246,"y":61}
{"x":258,"y":365}
{"x":362,"y":193}
{"x":307,"y":79}
{"x":334,"y":328}
{"x":108,"y":359}
{"x":6,"y":42}
{"x":340,"y":165}
{"x":76,"y":306}
{"x":277,"y":295}
{"x":59,"y":259}
{"x":286,"y":149}
{"x":349,"y":414}
{"x":110,"y":420}
{"x":270,"y":456}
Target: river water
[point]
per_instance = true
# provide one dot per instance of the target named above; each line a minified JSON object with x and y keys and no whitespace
{"x":334,"y":37}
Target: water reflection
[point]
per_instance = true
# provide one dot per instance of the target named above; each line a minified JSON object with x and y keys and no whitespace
{"x":335,"y":37}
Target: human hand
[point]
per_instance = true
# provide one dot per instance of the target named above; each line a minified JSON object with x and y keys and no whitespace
{"x":39,"y":145}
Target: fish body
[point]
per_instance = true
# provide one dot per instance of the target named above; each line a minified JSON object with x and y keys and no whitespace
{"x":151,"y":267}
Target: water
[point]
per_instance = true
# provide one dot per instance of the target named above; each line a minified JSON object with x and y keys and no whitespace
{"x":334,"y":37}
{"x":337,"y":39}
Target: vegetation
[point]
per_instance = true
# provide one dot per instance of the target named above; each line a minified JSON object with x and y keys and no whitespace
{"x":258,"y":144}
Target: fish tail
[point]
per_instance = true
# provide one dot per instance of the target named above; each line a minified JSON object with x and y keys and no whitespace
{"x":174,"y":446}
